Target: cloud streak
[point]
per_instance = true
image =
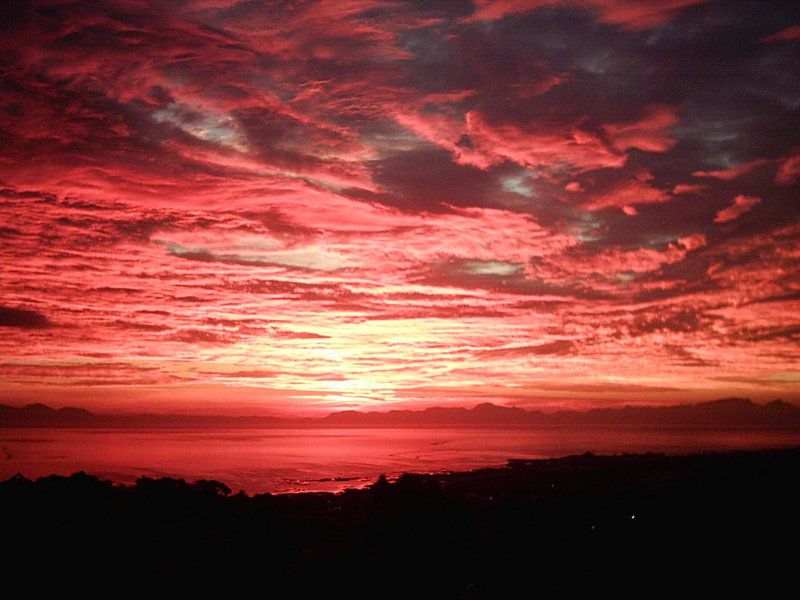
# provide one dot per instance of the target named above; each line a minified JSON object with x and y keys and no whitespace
{"x":741,"y":204}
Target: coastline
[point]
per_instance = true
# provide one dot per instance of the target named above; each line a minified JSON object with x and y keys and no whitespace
{"x":294,"y":460}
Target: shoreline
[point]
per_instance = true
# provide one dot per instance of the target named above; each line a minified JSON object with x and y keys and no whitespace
{"x":283,"y":483}
{"x":441,"y":476}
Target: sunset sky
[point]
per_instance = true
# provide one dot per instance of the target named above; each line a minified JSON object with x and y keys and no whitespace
{"x":226,"y":206}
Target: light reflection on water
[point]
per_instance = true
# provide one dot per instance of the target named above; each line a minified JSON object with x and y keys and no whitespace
{"x":290,"y":460}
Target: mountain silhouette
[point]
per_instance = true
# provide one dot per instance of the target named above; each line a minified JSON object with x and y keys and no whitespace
{"x":727,"y":412}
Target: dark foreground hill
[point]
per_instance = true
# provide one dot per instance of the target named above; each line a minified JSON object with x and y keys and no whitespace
{"x":646,"y":524}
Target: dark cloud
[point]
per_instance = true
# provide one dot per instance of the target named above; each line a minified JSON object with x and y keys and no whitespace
{"x":249,"y":374}
{"x":202,"y":337}
{"x":23,"y":318}
{"x":681,"y":322}
{"x":558,"y":347}
{"x":786,"y":333}
{"x":686,"y":358}
{"x":440,"y":182}
{"x":503,"y":277}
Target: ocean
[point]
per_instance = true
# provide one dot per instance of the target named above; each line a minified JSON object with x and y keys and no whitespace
{"x":317,"y":459}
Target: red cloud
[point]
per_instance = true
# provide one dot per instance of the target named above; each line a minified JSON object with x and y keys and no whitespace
{"x":741,"y":204}
{"x":478,"y":143}
{"x":630,"y":14}
{"x":489,"y":144}
{"x":732,"y":172}
{"x":693,"y":242}
{"x":784,"y":35}
{"x":685,"y":188}
{"x":789,"y":171}
{"x":628,"y":193}
{"x":650,"y":133}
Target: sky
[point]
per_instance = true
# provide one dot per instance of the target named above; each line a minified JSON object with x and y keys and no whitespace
{"x":294,"y":207}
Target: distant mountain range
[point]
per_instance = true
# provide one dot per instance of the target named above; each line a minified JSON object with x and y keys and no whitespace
{"x":729,"y":412}
{"x":41,"y":415}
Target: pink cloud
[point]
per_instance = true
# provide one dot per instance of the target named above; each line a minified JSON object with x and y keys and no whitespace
{"x":741,"y":204}
{"x":627,"y":194}
{"x":732,"y":172}
{"x":476,"y":142}
{"x":693,"y":242}
{"x":639,"y":260}
{"x":494,"y":143}
{"x":650,"y":133}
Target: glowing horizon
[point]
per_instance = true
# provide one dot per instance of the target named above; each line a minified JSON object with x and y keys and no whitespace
{"x":232,"y":207}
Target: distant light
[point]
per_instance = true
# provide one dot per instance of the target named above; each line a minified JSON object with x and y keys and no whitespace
{"x":633,"y":517}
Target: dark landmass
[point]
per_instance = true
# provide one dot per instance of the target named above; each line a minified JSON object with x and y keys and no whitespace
{"x":729,"y":412}
{"x":726,"y":412}
{"x":646,"y":524}
{"x":41,"y":415}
